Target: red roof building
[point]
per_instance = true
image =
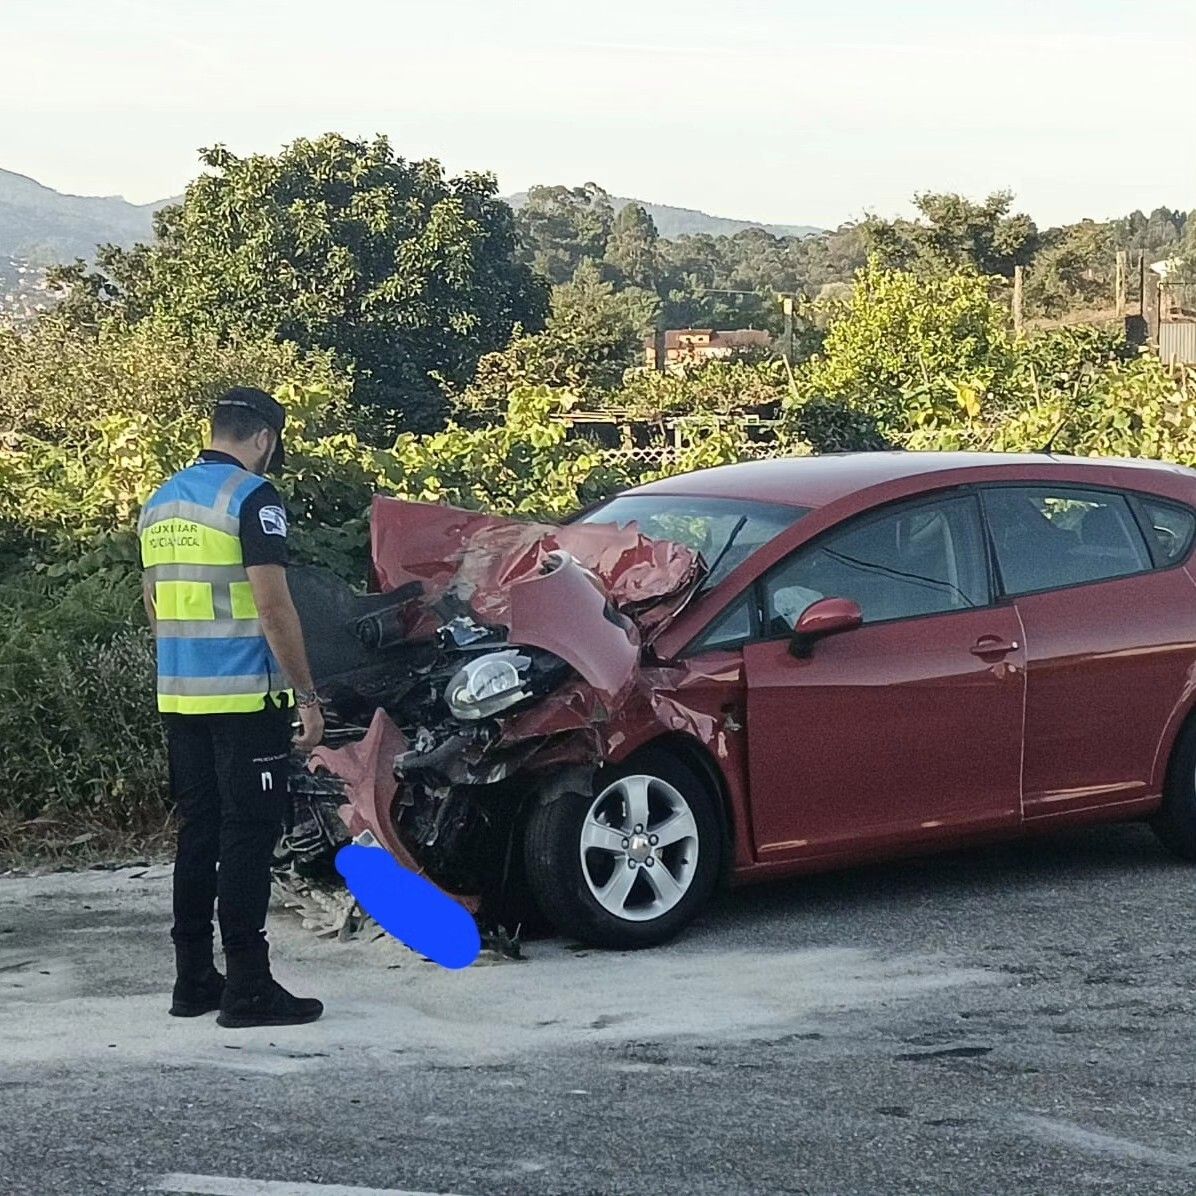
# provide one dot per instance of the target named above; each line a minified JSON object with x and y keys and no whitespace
{"x":685,"y":345}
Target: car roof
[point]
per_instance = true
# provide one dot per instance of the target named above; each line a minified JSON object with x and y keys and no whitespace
{"x":817,"y":481}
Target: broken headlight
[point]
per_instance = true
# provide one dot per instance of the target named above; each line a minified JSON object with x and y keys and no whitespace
{"x":488,"y":684}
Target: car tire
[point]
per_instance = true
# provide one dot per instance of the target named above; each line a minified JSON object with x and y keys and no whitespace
{"x":1175,"y":823}
{"x":580,"y":888}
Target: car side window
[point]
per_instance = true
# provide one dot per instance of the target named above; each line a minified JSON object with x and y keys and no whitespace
{"x":732,"y":628}
{"x":918,"y":559}
{"x":1048,"y":538}
{"x":1171,"y":528}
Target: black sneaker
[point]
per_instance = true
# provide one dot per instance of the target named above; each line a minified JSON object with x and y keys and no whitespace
{"x":266,"y":1003}
{"x":195,"y":996}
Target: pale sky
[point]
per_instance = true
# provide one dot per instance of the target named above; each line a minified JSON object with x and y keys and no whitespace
{"x":772,"y":110}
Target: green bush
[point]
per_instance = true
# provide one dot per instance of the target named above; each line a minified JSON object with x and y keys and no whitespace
{"x":707,"y":388}
{"x":56,"y":379}
{"x":83,"y":750}
{"x":911,"y":350}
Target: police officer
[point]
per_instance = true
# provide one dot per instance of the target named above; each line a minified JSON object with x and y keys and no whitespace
{"x":231,"y":665}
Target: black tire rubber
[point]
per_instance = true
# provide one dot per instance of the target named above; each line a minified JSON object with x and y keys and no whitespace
{"x":554,"y":868}
{"x":1175,"y":823}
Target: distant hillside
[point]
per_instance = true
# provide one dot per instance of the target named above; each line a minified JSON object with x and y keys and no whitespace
{"x":681,"y":222}
{"x":43,"y":225}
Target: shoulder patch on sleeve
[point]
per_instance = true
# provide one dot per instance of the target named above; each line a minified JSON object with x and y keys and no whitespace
{"x":273,"y":521}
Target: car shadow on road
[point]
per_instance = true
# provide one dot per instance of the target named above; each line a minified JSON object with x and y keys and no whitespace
{"x":1021,"y":875}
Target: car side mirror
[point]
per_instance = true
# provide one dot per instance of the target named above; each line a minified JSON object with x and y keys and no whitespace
{"x":827,"y":616}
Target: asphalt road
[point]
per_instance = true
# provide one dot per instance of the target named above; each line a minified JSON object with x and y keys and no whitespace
{"x":1009,"y":1020}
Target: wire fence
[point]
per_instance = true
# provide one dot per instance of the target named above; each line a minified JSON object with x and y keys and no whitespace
{"x":628,"y":438}
{"x":659,"y":456}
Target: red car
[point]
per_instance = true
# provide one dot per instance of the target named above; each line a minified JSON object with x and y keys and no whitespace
{"x":764,"y":669}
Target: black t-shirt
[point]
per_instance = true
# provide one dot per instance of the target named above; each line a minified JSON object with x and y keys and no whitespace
{"x":263,"y":519}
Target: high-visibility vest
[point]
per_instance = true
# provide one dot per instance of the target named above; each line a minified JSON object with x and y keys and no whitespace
{"x":213,"y":657}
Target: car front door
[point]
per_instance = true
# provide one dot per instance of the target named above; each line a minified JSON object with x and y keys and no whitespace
{"x":1109,"y":623}
{"x":905,"y":730}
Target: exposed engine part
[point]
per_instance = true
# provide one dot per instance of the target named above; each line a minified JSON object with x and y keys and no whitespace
{"x":428,"y":756}
{"x":450,"y":827}
{"x":463,"y":632}
{"x":315,"y":832}
{"x":378,"y":631}
{"x":382,"y":625}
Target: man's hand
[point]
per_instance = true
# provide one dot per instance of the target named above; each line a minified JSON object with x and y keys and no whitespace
{"x":312,"y":718}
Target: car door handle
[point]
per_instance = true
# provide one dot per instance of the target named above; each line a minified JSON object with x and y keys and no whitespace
{"x":991,"y":645}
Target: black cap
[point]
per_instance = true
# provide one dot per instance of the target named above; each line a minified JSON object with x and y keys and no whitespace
{"x":273,"y":413}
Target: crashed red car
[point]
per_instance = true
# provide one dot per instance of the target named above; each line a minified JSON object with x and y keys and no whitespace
{"x":753,"y":671}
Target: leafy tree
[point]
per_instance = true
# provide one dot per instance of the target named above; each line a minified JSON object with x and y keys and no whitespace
{"x":1074,"y":268}
{"x":908,"y":348}
{"x":590,"y":295}
{"x":955,"y":233}
{"x":593,"y":335}
{"x":1158,"y":235}
{"x":56,"y":379}
{"x":559,"y":227}
{"x":632,"y":249}
{"x":333,"y":244}
{"x":734,"y":282}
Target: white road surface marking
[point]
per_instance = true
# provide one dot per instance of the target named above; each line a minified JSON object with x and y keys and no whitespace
{"x":1065,"y":1133}
{"x":217,"y":1185}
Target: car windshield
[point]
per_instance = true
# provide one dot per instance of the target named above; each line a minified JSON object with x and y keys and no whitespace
{"x":726,"y":531}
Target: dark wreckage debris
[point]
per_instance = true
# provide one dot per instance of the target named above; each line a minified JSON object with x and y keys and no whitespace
{"x":496,"y":663}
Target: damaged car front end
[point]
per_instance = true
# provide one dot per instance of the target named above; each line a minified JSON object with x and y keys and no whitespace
{"x":498,"y":668}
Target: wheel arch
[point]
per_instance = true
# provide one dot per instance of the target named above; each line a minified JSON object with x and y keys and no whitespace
{"x":1183,"y":718}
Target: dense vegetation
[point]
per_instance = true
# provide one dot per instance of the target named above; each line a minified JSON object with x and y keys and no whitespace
{"x":337,"y":272}
{"x":733,"y":281}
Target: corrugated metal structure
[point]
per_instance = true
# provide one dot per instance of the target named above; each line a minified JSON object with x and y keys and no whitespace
{"x":1177,"y":342}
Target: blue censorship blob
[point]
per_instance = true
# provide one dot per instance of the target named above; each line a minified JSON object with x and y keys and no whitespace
{"x":409,"y":907}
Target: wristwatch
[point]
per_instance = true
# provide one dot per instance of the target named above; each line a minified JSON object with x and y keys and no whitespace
{"x":307,"y":697}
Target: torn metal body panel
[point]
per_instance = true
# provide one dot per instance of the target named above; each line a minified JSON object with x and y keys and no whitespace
{"x":497,"y":662}
{"x":475,"y":559}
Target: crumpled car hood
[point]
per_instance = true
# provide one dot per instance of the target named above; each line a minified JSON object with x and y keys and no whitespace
{"x":538,"y":581}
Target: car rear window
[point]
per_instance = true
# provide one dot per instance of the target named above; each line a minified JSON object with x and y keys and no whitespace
{"x":726,"y":531}
{"x":1048,"y":538}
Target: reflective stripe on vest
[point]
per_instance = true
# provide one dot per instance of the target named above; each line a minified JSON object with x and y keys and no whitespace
{"x":213,"y":657}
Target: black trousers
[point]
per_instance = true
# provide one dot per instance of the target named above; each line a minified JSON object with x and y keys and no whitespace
{"x":228,"y":777}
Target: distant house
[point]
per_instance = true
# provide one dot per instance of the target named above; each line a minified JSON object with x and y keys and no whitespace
{"x":685,"y":345}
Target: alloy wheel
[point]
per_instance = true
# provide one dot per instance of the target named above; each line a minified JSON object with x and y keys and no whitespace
{"x":639,"y":848}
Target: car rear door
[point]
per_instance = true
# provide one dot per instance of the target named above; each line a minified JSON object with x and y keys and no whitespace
{"x":906,"y":730}
{"x":1109,"y":621}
